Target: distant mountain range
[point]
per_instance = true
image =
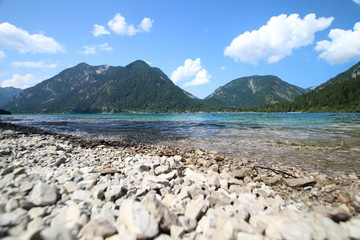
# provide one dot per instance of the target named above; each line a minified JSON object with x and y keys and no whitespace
{"x":255,"y":91}
{"x":7,"y":93}
{"x":138,"y":87}
{"x":339,"y":94}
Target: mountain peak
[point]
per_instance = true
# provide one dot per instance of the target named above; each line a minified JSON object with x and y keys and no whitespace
{"x":83,"y":64}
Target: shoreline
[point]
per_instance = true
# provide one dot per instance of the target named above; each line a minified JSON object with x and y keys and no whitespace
{"x":200,"y":194}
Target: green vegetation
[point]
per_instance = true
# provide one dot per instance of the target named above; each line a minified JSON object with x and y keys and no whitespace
{"x":254,"y":91}
{"x":343,"y":96}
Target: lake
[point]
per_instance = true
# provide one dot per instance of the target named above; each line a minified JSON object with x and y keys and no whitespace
{"x":324,"y":141}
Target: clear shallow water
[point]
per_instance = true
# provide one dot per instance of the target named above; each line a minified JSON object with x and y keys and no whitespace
{"x":316,"y":140}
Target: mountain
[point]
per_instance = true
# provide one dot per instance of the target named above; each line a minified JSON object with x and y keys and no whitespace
{"x":352,"y":72}
{"x":256,"y":91}
{"x":338,"y":94}
{"x":7,"y":93}
{"x":136,"y":87}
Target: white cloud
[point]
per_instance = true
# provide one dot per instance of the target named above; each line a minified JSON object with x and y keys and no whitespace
{"x":39,"y":64}
{"x":22,"y":82}
{"x":119,"y":26}
{"x":88,"y":50}
{"x":105,"y":47}
{"x":99,"y":30}
{"x":201,"y":78}
{"x":357,"y":1}
{"x":191,"y":68}
{"x":222,"y":68}
{"x":146,"y":24}
{"x":277,"y":39}
{"x":343,"y":47}
{"x":13,"y":37}
{"x":92,"y":49}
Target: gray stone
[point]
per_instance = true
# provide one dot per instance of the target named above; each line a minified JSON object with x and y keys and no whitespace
{"x":299,"y":182}
{"x":53,"y":233}
{"x":11,"y":205}
{"x":161,"y":213}
{"x":195,"y":209}
{"x":13,"y":218}
{"x":81,"y":195}
{"x":114,"y":192}
{"x":67,"y":217}
{"x":140,"y":223}
{"x":70,"y":187}
{"x":163,"y":169}
{"x":60,"y":161}
{"x":98,"y":227}
{"x":43,"y":195}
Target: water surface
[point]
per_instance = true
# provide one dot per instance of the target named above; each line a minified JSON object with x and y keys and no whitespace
{"x":325,"y":141}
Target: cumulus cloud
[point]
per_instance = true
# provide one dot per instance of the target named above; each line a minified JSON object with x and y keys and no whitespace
{"x":191,"y":68}
{"x":19,"y":81}
{"x":119,"y":26}
{"x":277,"y":39}
{"x":99,"y":30}
{"x":146,"y":24}
{"x":343,"y":47}
{"x":39,"y":64}
{"x":92,"y":49}
{"x":13,"y":37}
{"x":201,"y":78}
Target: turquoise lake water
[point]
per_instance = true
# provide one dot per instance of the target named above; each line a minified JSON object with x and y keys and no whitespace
{"x":321,"y":140}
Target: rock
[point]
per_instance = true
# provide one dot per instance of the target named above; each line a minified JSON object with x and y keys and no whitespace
{"x":43,"y":195}
{"x":298,"y":182}
{"x":11,"y":205}
{"x":114,"y":192}
{"x":81,"y":195}
{"x":188,"y":224}
{"x":98,"y":227}
{"x":287,"y":229}
{"x":176,"y":232}
{"x":343,"y":197}
{"x":140,"y":223}
{"x":353,"y":228}
{"x":13,"y":218}
{"x":60,"y":161}
{"x":239,"y":173}
{"x":162,"y":169}
{"x":161,"y":213}
{"x":53,"y":233}
{"x":70,"y":187}
{"x":225,"y":229}
{"x":336,"y":214}
{"x":36,"y":212}
{"x":249,"y":236}
{"x":195,"y":209}
{"x":270,"y":180}
{"x":67,"y":217}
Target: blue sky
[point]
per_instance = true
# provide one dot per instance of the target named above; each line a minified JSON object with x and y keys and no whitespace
{"x":200,"y":45}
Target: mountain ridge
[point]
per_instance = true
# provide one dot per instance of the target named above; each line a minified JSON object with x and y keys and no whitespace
{"x":256,"y":90}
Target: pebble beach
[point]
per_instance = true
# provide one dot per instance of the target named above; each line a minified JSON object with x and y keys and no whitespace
{"x":55,"y":186}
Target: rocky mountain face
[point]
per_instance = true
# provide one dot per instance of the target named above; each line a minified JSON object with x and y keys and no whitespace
{"x":104,"y":89}
{"x":7,"y":93}
{"x":256,"y":91}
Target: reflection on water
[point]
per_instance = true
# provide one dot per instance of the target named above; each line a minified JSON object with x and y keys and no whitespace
{"x":322,"y":140}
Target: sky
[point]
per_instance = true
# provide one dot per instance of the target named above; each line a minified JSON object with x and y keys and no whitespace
{"x":201,"y":45}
